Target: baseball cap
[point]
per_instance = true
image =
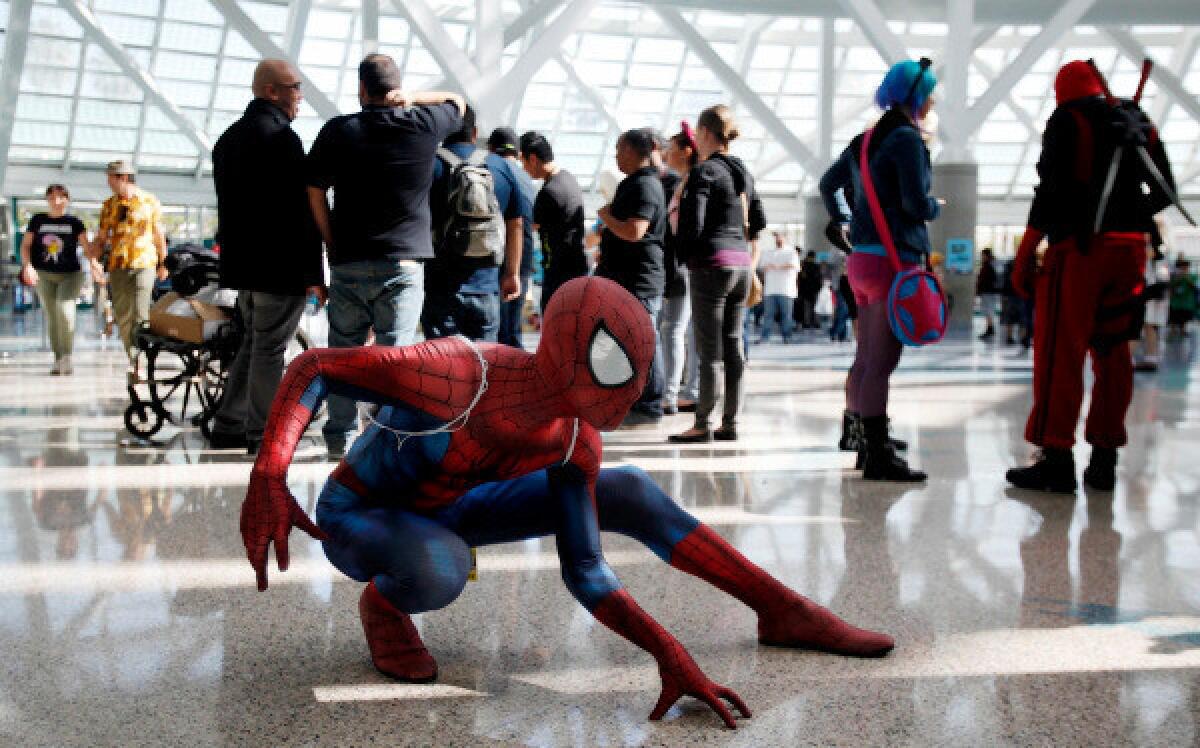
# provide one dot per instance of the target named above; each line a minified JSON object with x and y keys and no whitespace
{"x":120,"y":166}
{"x":503,"y":141}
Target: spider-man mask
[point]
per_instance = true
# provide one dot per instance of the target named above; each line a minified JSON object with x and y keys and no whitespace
{"x":596,"y":348}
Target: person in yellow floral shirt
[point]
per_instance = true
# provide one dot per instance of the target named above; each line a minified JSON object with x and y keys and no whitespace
{"x":131,"y":226}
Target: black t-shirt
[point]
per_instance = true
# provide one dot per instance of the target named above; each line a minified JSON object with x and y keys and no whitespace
{"x":55,"y":245}
{"x":637,"y":266}
{"x":558,"y":213}
{"x":379,"y":163}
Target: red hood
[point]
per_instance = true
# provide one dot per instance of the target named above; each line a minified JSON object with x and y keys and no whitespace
{"x":1076,"y":80}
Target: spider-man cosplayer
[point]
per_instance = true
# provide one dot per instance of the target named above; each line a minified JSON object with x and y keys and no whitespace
{"x":486,"y":444}
{"x":1095,"y":203}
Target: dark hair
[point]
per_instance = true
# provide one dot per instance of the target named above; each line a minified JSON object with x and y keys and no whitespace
{"x":379,"y":75}
{"x":640,"y":140}
{"x":58,"y":188}
{"x":534,"y":143}
{"x":681,"y":140}
{"x":466,"y":133}
{"x":718,"y":120}
{"x":657,"y":138}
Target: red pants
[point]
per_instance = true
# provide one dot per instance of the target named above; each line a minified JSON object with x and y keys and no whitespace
{"x":1072,"y":288}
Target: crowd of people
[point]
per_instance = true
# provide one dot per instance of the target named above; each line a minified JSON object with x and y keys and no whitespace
{"x":431,"y":232}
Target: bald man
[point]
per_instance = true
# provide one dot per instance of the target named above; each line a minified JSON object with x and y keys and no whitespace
{"x":270,"y":246}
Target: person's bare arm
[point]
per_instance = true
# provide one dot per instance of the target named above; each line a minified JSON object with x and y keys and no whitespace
{"x":28,"y":272}
{"x":160,"y":246}
{"x":319,"y":204}
{"x":510,"y":282}
{"x":630,"y":229}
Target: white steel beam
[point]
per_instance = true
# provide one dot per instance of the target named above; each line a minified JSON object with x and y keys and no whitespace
{"x":494,"y":96}
{"x":1022,"y":114}
{"x":589,"y":92}
{"x":1181,"y":61}
{"x":460,"y":71}
{"x":257,"y":38}
{"x":827,"y":72}
{"x":16,"y":42}
{"x":297,"y":22}
{"x":1066,"y":17}
{"x":1168,"y":82}
{"x":533,"y":15}
{"x":870,"y":19}
{"x":141,"y":129}
{"x":738,"y":87}
{"x":489,"y":37}
{"x":370,"y":27}
{"x":960,"y":16}
{"x":150,"y":88}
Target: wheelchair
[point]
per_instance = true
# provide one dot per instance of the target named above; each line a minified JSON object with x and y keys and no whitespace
{"x":185,"y":381}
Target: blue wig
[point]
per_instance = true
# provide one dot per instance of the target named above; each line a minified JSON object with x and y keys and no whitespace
{"x":898,"y":83}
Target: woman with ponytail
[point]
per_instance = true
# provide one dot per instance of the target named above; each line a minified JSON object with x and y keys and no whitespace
{"x":720,"y":216}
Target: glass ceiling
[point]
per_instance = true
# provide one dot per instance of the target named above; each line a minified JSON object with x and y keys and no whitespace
{"x":76,"y":107}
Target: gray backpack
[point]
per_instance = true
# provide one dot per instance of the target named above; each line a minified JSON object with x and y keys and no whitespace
{"x":474,"y":225}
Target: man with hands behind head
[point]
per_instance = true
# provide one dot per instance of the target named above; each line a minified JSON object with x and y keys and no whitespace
{"x":379,"y":163}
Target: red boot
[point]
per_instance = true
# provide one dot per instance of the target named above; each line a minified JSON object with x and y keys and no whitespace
{"x":396,"y":647}
{"x":785,"y":619}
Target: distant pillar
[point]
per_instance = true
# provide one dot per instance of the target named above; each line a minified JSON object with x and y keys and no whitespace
{"x":815,"y":219}
{"x":953,"y":238}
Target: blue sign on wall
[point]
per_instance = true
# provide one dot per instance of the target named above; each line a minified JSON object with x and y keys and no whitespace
{"x":960,"y":256}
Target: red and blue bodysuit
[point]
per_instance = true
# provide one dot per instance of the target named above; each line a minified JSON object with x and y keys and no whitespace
{"x":475,"y":445}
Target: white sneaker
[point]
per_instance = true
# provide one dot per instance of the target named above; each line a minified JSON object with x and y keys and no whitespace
{"x":64,"y":366}
{"x":56,"y":368}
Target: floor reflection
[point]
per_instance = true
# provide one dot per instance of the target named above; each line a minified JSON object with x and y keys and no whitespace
{"x":130,"y":615}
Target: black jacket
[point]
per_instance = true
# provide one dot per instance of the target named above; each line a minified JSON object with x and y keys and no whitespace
{"x":269,"y":241}
{"x":1077,"y":150}
{"x":711,"y":213}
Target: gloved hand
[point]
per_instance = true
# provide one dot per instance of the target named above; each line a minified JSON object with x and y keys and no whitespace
{"x":268,"y":515}
{"x":1024,"y":268}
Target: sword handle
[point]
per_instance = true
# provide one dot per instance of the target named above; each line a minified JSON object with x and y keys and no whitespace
{"x":1147,"y":68}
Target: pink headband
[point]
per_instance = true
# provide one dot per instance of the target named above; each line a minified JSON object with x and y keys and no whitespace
{"x":687,"y":133}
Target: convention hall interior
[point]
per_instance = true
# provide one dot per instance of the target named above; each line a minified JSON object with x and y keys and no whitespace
{"x":850,"y":426}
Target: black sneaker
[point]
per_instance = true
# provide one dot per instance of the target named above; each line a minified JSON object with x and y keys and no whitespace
{"x":1053,"y":471}
{"x":221,"y":440}
{"x":725,"y":434}
{"x":1101,"y":472}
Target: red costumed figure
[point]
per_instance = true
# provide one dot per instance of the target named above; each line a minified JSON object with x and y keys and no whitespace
{"x":479,"y":444}
{"x":1103,"y":176}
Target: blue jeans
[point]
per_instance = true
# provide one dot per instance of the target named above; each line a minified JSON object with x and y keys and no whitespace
{"x":673,"y":324}
{"x":650,"y":403}
{"x":510,"y":316}
{"x":473,"y":315}
{"x":383,"y":295}
{"x":777,"y":306}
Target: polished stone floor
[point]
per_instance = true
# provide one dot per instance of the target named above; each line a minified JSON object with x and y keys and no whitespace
{"x":128,"y":615}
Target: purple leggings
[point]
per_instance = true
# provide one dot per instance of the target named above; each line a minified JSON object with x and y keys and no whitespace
{"x":878,"y":351}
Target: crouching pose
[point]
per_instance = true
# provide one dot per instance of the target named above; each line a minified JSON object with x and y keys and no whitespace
{"x":481,"y":444}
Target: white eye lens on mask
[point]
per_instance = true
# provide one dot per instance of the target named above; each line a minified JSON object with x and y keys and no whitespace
{"x":607,"y":360}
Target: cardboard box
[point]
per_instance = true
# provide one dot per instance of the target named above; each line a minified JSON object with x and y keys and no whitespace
{"x":174,"y":316}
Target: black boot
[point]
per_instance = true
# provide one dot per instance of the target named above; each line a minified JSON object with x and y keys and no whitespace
{"x":1101,"y":472}
{"x":1054,"y":471}
{"x":880,"y":461}
{"x":851,"y":432}
{"x":897,"y":444}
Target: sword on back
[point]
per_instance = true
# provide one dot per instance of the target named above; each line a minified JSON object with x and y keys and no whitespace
{"x":1133,"y":131}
